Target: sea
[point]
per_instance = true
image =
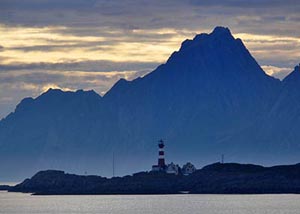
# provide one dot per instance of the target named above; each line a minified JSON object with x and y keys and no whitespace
{"x":18,"y":203}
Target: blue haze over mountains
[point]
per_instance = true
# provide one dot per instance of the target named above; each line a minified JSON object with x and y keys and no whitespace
{"x":209,"y":98}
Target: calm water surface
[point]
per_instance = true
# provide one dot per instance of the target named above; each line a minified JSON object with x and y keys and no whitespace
{"x":154,"y":204}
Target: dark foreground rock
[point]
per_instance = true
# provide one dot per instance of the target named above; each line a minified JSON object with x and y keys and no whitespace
{"x":217,"y":178}
{"x":4,"y":187}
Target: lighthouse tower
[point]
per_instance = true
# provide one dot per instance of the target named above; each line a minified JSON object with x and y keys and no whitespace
{"x":161,"y":155}
{"x":161,"y":165}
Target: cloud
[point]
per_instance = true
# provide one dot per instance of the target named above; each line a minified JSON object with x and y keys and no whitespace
{"x":273,"y":50}
{"x":143,"y":14}
{"x":57,"y":44}
{"x":68,"y":79}
{"x":61,"y":47}
{"x":249,"y":4}
{"x":277,"y":72}
{"x":90,"y":65}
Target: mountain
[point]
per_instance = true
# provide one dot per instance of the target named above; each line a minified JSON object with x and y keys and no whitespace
{"x":207,"y":92}
{"x":210,"y":98}
{"x":282,"y":122}
{"x":45,"y":130}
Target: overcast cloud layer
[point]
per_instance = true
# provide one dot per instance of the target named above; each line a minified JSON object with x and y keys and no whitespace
{"x":90,"y":44}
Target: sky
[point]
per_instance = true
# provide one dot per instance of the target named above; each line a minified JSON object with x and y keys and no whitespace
{"x":90,"y":44}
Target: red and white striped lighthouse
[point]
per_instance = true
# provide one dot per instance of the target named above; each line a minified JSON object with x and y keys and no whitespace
{"x":161,"y":155}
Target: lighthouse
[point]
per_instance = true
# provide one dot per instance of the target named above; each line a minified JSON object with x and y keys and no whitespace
{"x":161,"y":155}
{"x":161,"y":164}
{"x":171,"y":168}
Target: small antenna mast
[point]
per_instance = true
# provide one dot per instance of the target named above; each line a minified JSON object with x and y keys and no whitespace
{"x":222,"y":159}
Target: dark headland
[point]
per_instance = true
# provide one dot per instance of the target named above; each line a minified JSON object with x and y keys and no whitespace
{"x":217,"y":178}
{"x":4,"y":187}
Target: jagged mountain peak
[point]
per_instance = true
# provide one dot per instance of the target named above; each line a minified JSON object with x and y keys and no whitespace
{"x":220,"y":30}
{"x":55,"y":92}
{"x":58,"y":95}
{"x":217,"y":47}
{"x":56,"y":98}
{"x":219,"y":34}
{"x":215,"y":58}
{"x":218,"y":53}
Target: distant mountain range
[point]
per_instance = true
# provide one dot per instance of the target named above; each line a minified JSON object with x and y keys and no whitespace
{"x":210,"y":98}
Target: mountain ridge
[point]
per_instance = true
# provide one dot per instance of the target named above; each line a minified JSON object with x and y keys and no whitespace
{"x":210,"y":97}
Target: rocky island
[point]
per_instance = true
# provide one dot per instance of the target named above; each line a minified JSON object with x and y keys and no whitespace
{"x":217,"y":178}
{"x":4,"y":187}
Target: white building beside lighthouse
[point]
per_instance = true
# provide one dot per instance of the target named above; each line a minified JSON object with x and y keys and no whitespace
{"x":188,"y":169}
{"x":173,"y":168}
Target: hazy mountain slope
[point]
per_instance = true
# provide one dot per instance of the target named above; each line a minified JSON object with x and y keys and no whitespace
{"x":282,"y":123}
{"x":57,"y":130}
